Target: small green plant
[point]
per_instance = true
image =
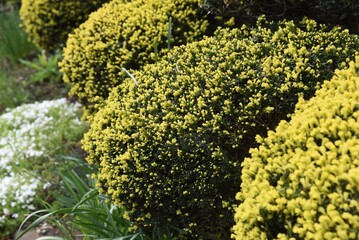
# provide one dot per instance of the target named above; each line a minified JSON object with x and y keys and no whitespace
{"x":11,"y":91}
{"x":46,"y":67}
{"x":13,"y":40}
{"x":79,"y":209}
{"x":6,"y":3}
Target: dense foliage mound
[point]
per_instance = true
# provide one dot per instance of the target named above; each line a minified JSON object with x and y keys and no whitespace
{"x":344,"y":12}
{"x":48,"y":22}
{"x":123,"y":35}
{"x":303,"y":180}
{"x":169,"y":141}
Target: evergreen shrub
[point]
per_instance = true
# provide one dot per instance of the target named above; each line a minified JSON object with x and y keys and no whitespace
{"x":280,"y":7}
{"x":125,"y":35}
{"x":48,"y":22}
{"x":170,"y":140}
{"x":303,"y":180}
{"x":344,"y":12}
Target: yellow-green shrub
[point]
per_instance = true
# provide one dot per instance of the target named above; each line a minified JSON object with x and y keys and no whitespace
{"x":48,"y":22}
{"x":344,"y":12}
{"x":303,"y":180}
{"x":169,"y":141}
{"x":281,"y":8}
{"x":123,"y":35}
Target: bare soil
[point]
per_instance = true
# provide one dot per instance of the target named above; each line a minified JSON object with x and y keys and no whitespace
{"x":43,"y":230}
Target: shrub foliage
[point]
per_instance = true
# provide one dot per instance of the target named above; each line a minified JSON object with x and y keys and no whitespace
{"x":170,"y":140}
{"x":48,"y":22}
{"x":344,"y":12}
{"x":302,"y":182}
{"x":126,"y":35}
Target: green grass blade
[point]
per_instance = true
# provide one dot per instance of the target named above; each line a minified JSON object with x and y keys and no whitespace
{"x":87,"y":197}
{"x":32,"y":225}
{"x":50,"y":238}
{"x":13,"y":39}
{"x":112,"y":222}
{"x":30,"y":64}
{"x":169,"y":33}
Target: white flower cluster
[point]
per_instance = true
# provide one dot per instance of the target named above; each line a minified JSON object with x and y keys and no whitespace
{"x":24,"y":128}
{"x":16,"y":192}
{"x":24,"y":133}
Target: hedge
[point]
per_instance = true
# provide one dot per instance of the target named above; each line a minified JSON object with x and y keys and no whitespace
{"x":125,"y":35}
{"x":343,"y":12}
{"x":169,"y":140}
{"x":48,"y":22}
{"x":302,"y":182}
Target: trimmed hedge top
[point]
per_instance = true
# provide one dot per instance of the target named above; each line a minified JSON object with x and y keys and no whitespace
{"x":169,"y":141}
{"x":125,"y":35}
{"x":48,"y":22}
{"x":303,"y":180}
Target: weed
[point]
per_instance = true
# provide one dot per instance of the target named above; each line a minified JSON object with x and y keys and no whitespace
{"x":45,"y":66}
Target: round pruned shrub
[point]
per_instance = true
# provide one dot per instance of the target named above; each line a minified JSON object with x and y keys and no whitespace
{"x":170,"y":139}
{"x":303,"y":180}
{"x":125,"y":35}
{"x":344,"y":12}
{"x":48,"y":22}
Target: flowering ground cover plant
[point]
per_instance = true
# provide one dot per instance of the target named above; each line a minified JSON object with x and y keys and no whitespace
{"x":30,"y":138}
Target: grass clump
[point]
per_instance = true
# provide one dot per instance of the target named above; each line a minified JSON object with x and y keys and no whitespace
{"x":13,"y":40}
{"x":78,"y":209}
